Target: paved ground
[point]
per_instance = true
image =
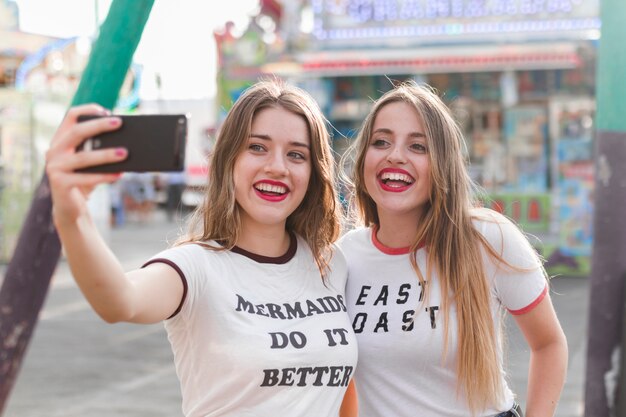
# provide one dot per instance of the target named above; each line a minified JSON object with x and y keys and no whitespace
{"x":79,"y":366}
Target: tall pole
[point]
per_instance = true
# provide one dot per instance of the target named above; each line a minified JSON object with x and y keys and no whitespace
{"x":609,"y":248}
{"x":38,"y":248}
{"x":620,"y":392}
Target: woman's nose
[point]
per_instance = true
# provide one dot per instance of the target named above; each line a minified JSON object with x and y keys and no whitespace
{"x":396,"y":155}
{"x":276,"y":165}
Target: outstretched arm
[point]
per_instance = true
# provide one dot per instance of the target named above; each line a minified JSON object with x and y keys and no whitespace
{"x":114,"y":295}
{"x":548,"y":358}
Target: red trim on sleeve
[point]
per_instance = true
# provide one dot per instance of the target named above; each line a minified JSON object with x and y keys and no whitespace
{"x":532,"y":305}
{"x":182,"y":278}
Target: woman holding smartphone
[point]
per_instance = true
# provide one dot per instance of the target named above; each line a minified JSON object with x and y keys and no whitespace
{"x":430,"y":275}
{"x":253,"y":296}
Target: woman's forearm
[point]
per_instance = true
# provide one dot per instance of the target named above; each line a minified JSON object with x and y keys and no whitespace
{"x":546,"y":377}
{"x":96,"y":270}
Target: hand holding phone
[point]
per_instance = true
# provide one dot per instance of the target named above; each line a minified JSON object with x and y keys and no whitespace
{"x":154,"y":143}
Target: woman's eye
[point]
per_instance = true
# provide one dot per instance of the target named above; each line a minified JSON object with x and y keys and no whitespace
{"x":256,"y":147}
{"x":379,"y":143}
{"x":297,"y":155}
{"x":418,"y":147}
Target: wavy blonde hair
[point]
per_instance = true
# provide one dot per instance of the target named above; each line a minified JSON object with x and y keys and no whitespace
{"x":454,"y":245}
{"x":316,"y":219}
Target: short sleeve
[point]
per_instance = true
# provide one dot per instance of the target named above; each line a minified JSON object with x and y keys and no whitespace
{"x":522,"y":285}
{"x":186,"y":261}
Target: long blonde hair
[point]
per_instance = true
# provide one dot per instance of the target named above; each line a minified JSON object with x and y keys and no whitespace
{"x":453,"y":244}
{"x":316,"y":219}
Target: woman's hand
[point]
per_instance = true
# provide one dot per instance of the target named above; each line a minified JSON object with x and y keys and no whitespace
{"x":71,"y":189}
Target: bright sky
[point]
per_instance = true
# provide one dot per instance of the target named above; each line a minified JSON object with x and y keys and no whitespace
{"x":177,"y":41}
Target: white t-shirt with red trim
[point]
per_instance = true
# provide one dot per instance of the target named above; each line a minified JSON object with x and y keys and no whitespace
{"x":402,"y":371}
{"x":260,"y":338}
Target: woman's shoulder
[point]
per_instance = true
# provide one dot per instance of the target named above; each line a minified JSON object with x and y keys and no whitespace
{"x":338,"y":254}
{"x":333,"y":251}
{"x":504,"y":236}
{"x":492,"y":224}
{"x":337,"y":271}
{"x":198,"y":247}
{"x":191,"y":251}
{"x":487,"y":215}
{"x":354,"y":236}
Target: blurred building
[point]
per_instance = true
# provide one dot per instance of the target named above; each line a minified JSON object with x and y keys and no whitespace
{"x":38,"y":76}
{"x":518,"y":74}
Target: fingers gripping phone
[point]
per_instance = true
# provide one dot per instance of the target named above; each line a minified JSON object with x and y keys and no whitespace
{"x":154,"y":143}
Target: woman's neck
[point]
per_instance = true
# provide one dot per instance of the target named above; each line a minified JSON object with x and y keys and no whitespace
{"x":397,"y":231}
{"x":266,"y":241}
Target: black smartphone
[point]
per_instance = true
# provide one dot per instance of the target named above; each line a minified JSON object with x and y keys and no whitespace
{"x":155,"y":142}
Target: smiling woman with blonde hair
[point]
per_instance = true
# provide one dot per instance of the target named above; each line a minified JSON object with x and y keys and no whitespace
{"x":430,"y":275}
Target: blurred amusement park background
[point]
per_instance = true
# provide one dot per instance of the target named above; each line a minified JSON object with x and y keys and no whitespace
{"x":519,"y":75}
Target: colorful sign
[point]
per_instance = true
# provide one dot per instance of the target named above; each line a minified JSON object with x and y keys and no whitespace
{"x":572,"y":130}
{"x":530,"y":211}
{"x":575,"y":181}
{"x":525,"y":132}
{"x":463,"y":20}
{"x":576,"y":209}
